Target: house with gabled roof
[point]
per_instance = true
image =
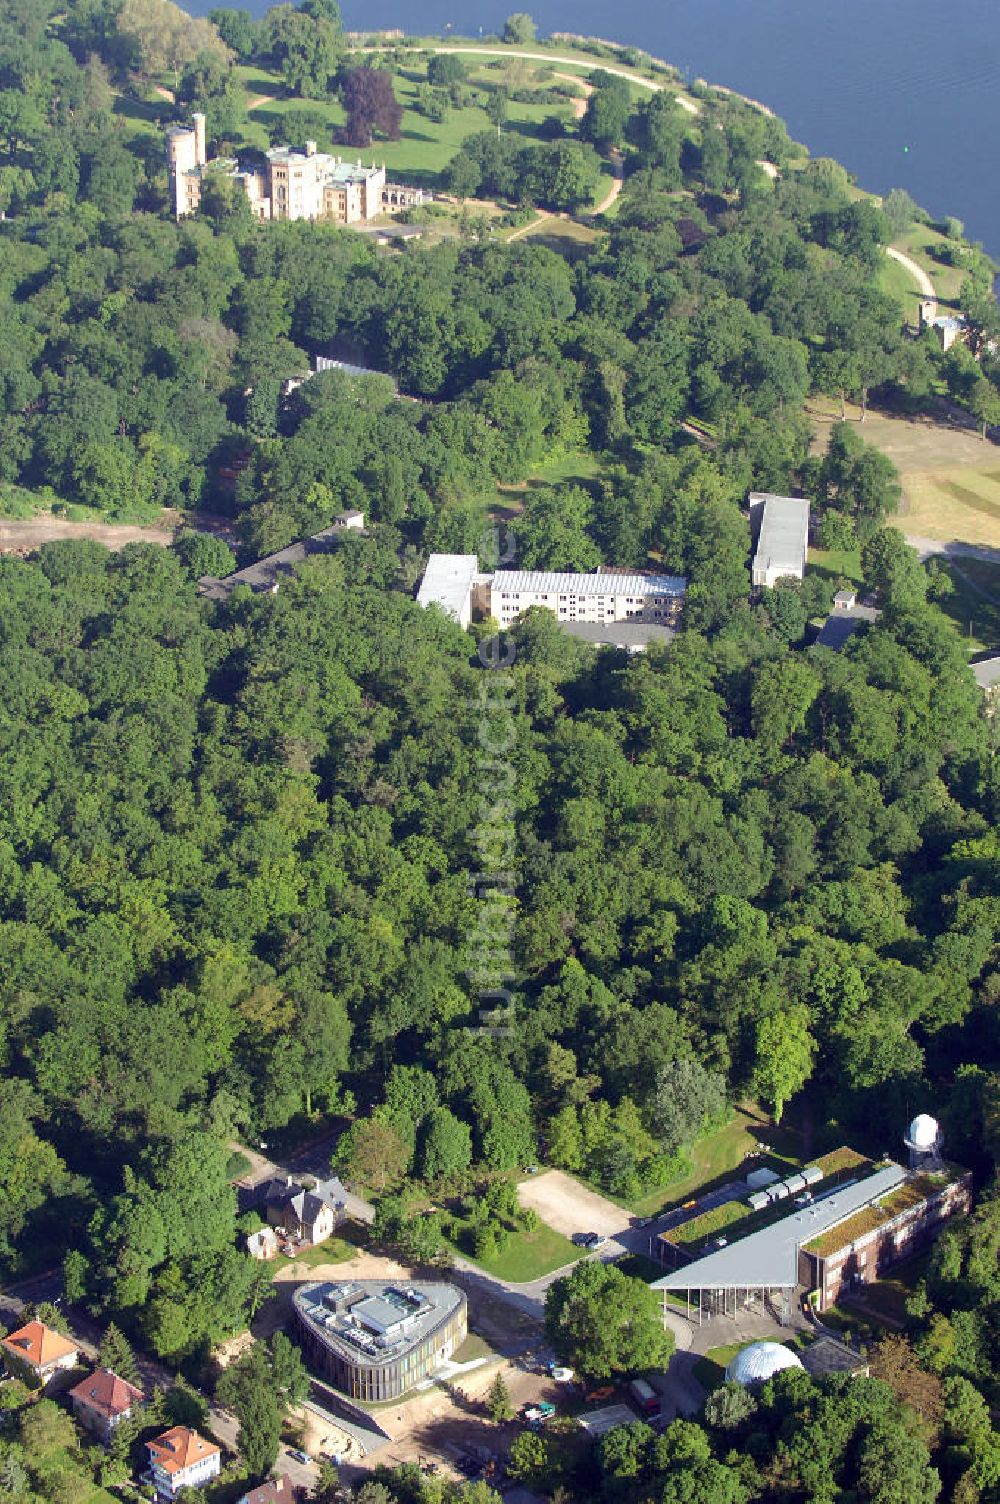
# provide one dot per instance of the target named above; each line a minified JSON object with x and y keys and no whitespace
{"x":181,"y":1458}
{"x":307,"y":1215}
{"x":37,"y":1354}
{"x":103,"y":1400}
{"x":280,"y":1490}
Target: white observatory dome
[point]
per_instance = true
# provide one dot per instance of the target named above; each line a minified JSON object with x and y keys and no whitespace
{"x":923,"y":1132}
{"x":759,"y":1362}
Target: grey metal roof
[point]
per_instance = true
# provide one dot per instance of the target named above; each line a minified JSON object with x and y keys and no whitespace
{"x":987,"y":671}
{"x":633,"y":636}
{"x":784,"y":531}
{"x":268,"y":572}
{"x":769,"y":1257}
{"x":603,"y":582}
{"x":447,"y":582}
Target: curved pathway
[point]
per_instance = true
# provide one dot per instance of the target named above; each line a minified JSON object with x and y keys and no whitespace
{"x":919,"y":276}
{"x":552,"y":57}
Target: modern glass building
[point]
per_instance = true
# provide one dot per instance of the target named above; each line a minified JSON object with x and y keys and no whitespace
{"x":373,"y":1340}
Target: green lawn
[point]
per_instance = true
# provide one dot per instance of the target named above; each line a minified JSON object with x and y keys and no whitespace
{"x":425,"y":146}
{"x":528,"y":1255}
{"x":901,"y":284}
{"x":333,"y":1251}
{"x":925,"y":245}
{"x":710,"y":1370}
{"x":713,"y":1158}
{"x":836,"y":563}
{"x":976,"y":618}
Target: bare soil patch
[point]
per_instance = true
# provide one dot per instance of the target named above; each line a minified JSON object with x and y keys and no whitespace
{"x":570,"y":1207}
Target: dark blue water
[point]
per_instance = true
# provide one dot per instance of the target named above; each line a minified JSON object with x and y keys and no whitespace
{"x":906,"y":93}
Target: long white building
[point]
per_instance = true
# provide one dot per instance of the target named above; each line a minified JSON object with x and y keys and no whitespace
{"x":453,"y":582}
{"x":608,"y":595}
{"x":783,"y":539}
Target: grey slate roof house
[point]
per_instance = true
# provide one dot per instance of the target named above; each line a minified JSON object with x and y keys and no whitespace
{"x":310,"y":1216}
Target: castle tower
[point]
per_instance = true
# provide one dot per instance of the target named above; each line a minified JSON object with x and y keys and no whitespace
{"x":200,"y":155}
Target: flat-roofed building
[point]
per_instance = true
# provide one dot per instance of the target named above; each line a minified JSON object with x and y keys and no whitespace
{"x":375,"y":1340}
{"x":858,"y":1248}
{"x":824,"y":1243}
{"x":607,"y":595}
{"x":782,"y":538}
{"x":447,"y":583}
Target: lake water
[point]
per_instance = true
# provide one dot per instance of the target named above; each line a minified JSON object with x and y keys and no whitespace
{"x":906,"y":93}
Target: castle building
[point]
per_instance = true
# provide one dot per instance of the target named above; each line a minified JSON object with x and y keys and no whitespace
{"x":291,"y":182}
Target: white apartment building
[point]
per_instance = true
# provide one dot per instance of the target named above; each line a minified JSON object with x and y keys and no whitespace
{"x":608,"y":595}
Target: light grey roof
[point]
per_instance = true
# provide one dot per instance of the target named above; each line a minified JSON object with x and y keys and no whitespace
{"x":603,"y":582}
{"x":633,"y":636}
{"x":401,"y":1315}
{"x":769,"y":1257}
{"x":784,"y":531}
{"x":987,"y":671}
{"x":597,"y":1422}
{"x":447,"y":582}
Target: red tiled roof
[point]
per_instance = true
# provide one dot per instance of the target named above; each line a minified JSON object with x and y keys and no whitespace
{"x":274,"y":1491}
{"x":39,"y":1345}
{"x":106,"y":1393}
{"x":179,"y":1448}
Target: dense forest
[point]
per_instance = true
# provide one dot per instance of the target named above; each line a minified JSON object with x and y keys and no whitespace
{"x":243,"y":843}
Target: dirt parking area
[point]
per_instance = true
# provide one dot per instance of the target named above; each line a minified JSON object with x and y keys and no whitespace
{"x":451,"y":1420}
{"x":570,"y":1207}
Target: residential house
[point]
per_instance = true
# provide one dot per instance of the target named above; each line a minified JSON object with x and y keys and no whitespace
{"x":308,"y":1216}
{"x":103,"y":1400}
{"x":180,"y":1458}
{"x":279,"y":1490}
{"x":37,"y":1354}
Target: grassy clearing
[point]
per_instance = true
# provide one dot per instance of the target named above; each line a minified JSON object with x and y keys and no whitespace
{"x":956,"y":505}
{"x":950,"y":478}
{"x":713,"y":1158}
{"x":925,"y":246}
{"x":899,"y":283}
{"x":975,"y":617}
{"x":334,"y":1251}
{"x":836,"y":563}
{"x":710,"y":1370}
{"x":425,"y":146}
{"x":575,"y":467}
{"x":527,"y":1255}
